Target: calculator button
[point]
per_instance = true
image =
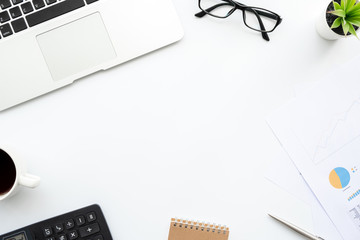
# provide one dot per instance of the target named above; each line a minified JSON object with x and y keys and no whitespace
{"x":88,"y":230}
{"x":62,"y":237}
{"x":47,"y":231}
{"x":80,"y":220}
{"x":91,"y":217}
{"x":59,"y":228}
{"x":73,"y":235}
{"x":69,"y":224}
{"x":98,"y":237}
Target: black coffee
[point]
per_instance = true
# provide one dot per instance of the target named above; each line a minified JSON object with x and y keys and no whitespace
{"x":7,"y":172}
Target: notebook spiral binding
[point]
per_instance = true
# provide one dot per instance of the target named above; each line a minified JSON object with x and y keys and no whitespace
{"x":200,"y":226}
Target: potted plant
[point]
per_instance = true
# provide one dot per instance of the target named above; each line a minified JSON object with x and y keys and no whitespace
{"x":341,"y":18}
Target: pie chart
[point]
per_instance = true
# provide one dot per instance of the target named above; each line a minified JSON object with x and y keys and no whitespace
{"x":339,"y":177}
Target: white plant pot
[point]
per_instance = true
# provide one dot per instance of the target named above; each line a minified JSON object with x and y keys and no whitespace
{"x":324,"y":30}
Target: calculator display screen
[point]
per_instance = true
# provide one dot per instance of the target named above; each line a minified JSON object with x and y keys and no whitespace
{"x":20,"y":236}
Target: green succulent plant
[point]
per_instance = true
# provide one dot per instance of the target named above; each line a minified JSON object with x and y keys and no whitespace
{"x":348,"y":16}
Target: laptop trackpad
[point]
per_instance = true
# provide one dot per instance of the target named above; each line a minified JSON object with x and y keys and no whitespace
{"x":76,"y":46}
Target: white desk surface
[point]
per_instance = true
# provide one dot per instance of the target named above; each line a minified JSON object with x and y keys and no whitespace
{"x":180,"y":132}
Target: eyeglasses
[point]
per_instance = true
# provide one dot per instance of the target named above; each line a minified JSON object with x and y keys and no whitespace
{"x":257,"y":19}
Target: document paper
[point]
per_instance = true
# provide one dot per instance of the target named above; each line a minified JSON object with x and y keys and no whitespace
{"x":283,"y":173}
{"x":320,"y":131}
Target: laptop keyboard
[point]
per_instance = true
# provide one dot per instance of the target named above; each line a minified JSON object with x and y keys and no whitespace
{"x":18,"y":15}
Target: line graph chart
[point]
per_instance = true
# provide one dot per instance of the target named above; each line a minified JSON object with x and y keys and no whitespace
{"x":344,"y":128}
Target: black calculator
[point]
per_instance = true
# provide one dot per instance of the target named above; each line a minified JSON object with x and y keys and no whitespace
{"x":84,"y":224}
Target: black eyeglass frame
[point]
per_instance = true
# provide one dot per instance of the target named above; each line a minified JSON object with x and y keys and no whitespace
{"x":236,"y":5}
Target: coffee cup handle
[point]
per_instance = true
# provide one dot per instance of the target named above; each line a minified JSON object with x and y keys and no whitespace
{"x":29,"y":180}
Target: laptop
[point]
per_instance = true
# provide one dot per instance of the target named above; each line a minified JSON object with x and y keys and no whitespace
{"x":48,"y":44}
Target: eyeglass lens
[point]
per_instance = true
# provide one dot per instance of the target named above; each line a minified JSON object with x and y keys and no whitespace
{"x":252,"y":21}
{"x":221,"y":10}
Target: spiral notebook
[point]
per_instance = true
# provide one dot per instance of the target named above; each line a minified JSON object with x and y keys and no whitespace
{"x":193,"y":230}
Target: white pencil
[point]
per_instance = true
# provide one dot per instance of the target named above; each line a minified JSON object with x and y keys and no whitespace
{"x":296,"y":229}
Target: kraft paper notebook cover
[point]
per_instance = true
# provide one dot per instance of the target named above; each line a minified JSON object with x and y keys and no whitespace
{"x":192,"y":230}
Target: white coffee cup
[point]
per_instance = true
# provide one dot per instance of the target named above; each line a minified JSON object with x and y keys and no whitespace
{"x":13,"y":174}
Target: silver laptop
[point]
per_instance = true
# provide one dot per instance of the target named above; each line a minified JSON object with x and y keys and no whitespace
{"x":47,"y":44}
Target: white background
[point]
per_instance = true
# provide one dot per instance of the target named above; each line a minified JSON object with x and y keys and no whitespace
{"x":177,"y":133}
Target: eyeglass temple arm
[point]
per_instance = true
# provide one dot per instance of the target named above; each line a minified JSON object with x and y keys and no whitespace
{"x":203,"y":13}
{"x":265,"y":14}
{"x":262,"y":27}
{"x":257,"y":13}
